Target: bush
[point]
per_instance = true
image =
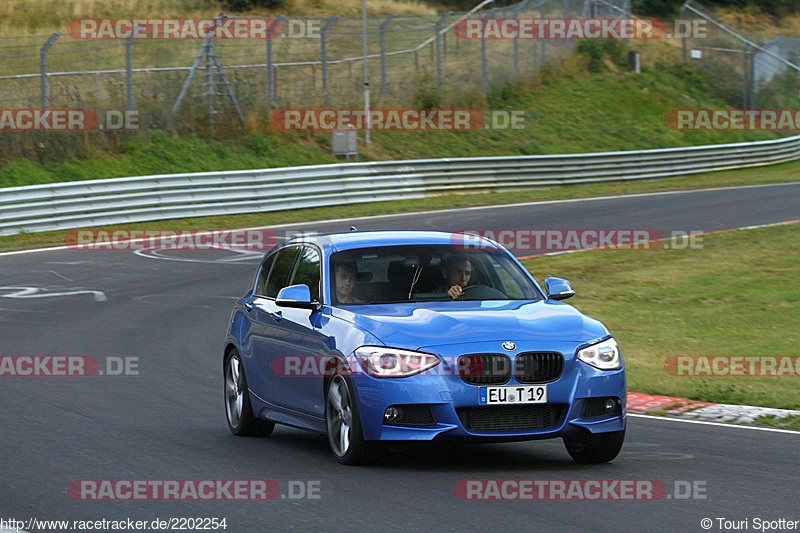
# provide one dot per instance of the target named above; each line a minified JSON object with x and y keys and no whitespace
{"x":597,"y":51}
{"x":426,"y":95}
{"x":593,"y":53}
{"x":501,"y":94}
{"x":245,"y":5}
{"x":670,"y":8}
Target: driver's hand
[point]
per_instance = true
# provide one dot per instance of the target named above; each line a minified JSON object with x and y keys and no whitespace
{"x":455,"y":291}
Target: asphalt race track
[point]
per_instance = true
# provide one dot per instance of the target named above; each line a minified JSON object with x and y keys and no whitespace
{"x":168,"y":422}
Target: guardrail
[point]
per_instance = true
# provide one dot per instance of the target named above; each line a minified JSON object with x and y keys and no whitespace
{"x":79,"y":204}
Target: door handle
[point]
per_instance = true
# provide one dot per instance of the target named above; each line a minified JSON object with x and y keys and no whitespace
{"x":277,"y":315}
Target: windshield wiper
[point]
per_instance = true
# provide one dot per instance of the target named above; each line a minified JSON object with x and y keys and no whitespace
{"x":415,"y":279}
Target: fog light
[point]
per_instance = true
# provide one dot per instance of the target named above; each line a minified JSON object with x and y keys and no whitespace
{"x":610,"y":404}
{"x":391,"y":414}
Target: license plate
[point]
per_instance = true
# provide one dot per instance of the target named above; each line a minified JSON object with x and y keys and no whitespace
{"x":513,"y":395}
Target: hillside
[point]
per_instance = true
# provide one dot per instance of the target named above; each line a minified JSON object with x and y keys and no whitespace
{"x":26,"y":17}
{"x":569,"y":109}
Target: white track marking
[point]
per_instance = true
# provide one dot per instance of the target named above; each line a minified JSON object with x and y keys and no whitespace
{"x":247,"y":255}
{"x":461,"y":210}
{"x":697,"y":234}
{"x":34,"y":292}
{"x":54,"y":273}
{"x":720,"y":424}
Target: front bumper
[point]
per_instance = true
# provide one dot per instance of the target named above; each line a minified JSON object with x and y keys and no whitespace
{"x":446,"y":393}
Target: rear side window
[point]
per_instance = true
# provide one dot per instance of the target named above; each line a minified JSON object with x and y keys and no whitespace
{"x":279,"y":278}
{"x":261,"y":285}
{"x":308,"y":271}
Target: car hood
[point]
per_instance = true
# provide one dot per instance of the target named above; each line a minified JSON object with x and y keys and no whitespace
{"x":414,"y":325}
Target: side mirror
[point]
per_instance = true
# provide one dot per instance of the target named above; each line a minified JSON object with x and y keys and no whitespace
{"x":558,"y":289}
{"x":298,"y":296}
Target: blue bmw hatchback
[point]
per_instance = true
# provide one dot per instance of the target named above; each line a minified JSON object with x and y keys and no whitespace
{"x":373,"y":337}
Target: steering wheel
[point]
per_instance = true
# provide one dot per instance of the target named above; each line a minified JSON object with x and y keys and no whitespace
{"x":465,"y":290}
{"x":486,"y":293}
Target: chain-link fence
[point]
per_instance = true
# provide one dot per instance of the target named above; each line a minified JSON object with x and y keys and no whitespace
{"x":744,"y":71}
{"x":413,"y":61}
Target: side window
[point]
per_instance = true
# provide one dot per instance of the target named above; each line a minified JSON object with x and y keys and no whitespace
{"x":261,"y":285}
{"x":308,"y":271}
{"x":509,"y":284}
{"x":281,"y":271}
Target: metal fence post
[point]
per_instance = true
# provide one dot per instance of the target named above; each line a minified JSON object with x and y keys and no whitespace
{"x":626,"y":13}
{"x":270,"y":73}
{"x":682,"y":17}
{"x":209,"y":78}
{"x":543,"y":41}
{"x":438,"y":43}
{"x":752,"y":99}
{"x":515,"y":15}
{"x":45,"y":81}
{"x":129,"y":74}
{"x":484,"y":68}
{"x":384,"y":25}
{"x":324,"y":54}
{"x":745,"y":72}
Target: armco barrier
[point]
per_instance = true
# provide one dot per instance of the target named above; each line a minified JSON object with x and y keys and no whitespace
{"x":78,"y":204}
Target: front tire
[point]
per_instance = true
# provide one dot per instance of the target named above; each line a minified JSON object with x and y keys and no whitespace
{"x":599,"y":448}
{"x":238,"y":410}
{"x":345,"y":437}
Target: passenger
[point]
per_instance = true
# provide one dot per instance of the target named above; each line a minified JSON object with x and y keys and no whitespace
{"x":456,"y":271}
{"x":346,"y":279}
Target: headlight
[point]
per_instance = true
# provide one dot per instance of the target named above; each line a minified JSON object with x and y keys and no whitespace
{"x":382,"y":362}
{"x":603,"y":355}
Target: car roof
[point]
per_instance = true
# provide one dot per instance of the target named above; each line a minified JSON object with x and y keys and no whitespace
{"x":350,"y":240}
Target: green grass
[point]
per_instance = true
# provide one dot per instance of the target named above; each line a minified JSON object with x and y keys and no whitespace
{"x":787,"y":422}
{"x":161,"y":153}
{"x":737,"y":297}
{"x":568,"y":110}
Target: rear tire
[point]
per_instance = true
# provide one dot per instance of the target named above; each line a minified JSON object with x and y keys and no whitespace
{"x":238,"y":410}
{"x":345,"y":437}
{"x":599,"y":448}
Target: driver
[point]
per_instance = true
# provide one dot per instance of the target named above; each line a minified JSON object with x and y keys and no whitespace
{"x":346,"y":279}
{"x":456,"y":272}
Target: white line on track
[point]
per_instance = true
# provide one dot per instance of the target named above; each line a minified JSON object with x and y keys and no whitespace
{"x":698,"y":234}
{"x":721,"y":424}
{"x":462,"y":209}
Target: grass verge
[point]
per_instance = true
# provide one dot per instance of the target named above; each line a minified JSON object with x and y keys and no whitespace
{"x":788,"y":422}
{"x":567,"y":109}
{"x":737,"y":297}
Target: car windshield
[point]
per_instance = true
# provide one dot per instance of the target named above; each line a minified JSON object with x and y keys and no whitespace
{"x":417,"y":273}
